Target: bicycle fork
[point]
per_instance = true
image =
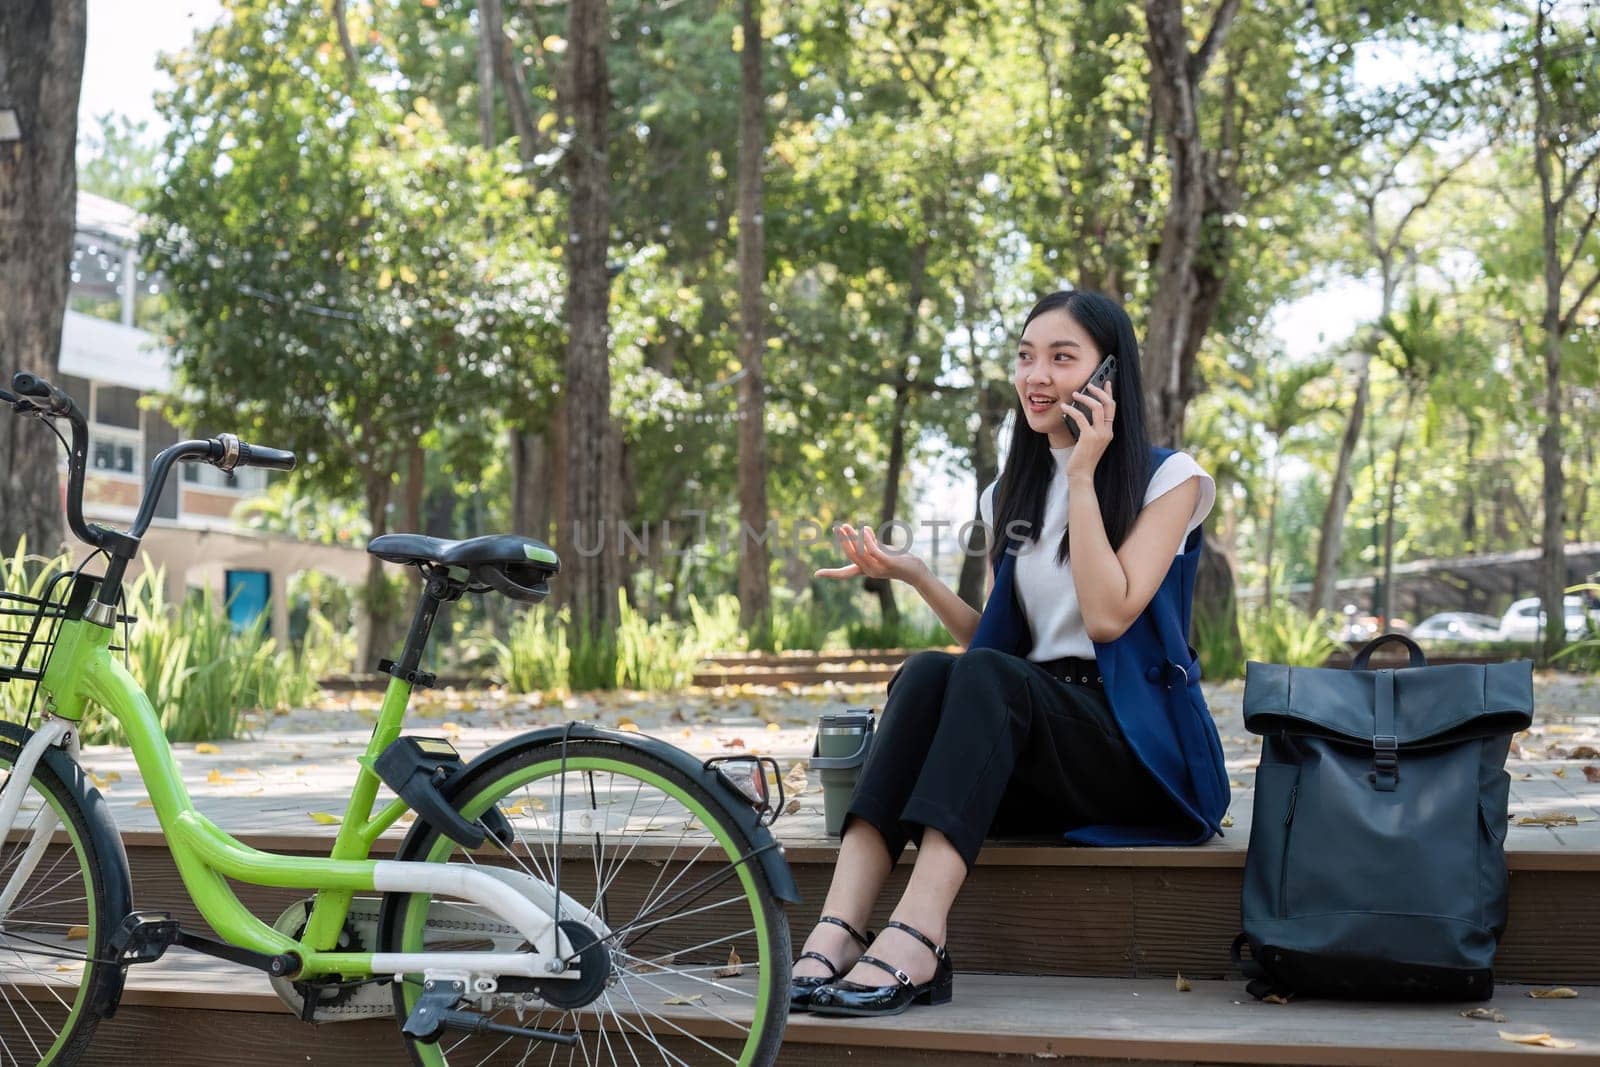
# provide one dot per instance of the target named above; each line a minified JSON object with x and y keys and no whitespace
{"x":54,"y":732}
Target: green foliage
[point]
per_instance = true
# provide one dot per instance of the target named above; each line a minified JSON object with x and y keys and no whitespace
{"x":655,"y":656}
{"x":534,"y":656}
{"x":1283,"y":633}
{"x":118,"y":160}
{"x":329,"y":258}
{"x":1220,"y":651}
{"x":202,"y":676}
{"x":322,"y":623}
{"x":908,"y":634}
{"x":23,"y":574}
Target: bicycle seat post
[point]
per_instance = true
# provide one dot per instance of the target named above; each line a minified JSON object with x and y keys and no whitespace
{"x":437,"y":588}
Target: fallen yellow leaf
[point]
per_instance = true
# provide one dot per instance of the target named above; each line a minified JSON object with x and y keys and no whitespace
{"x":1560,"y":992}
{"x":206,"y":748}
{"x":216,"y":777}
{"x":1544,"y":1040}
{"x":323,"y":817}
{"x":678,"y":998}
{"x":77,"y":933}
{"x":734,"y":968}
{"x":773,"y":727}
{"x":1484,"y":1013}
{"x":1549,"y":818}
{"x":1183,"y":985}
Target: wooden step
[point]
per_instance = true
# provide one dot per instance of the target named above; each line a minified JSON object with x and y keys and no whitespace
{"x":1039,"y":908}
{"x":1030,"y":907}
{"x":173,"y":1011}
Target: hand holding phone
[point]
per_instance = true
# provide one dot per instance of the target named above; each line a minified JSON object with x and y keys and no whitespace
{"x":1101,"y":375}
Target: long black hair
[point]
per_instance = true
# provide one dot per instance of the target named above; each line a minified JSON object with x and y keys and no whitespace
{"x":1123,"y":474}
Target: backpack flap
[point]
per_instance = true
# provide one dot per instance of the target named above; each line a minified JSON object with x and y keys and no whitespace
{"x":1429,"y":706}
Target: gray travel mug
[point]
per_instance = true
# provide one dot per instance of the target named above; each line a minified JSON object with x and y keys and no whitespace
{"x":843,"y":740}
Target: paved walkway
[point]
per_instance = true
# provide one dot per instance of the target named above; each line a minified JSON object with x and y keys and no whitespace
{"x":297,"y":769}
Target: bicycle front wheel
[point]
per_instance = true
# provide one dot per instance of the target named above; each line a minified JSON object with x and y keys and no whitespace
{"x":691,"y":966}
{"x":53,"y":923}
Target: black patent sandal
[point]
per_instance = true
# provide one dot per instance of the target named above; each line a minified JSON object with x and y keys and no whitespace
{"x":800,"y":989}
{"x":853,"y":998}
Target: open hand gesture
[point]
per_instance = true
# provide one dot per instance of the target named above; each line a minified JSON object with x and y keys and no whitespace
{"x":869,"y":558}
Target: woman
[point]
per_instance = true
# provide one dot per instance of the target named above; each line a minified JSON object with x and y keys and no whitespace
{"x":1075,"y":710}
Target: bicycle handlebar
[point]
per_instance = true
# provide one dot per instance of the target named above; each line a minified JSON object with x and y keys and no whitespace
{"x":38,"y":397}
{"x":36,"y":388}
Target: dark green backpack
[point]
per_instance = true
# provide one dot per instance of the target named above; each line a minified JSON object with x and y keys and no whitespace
{"x":1376,"y":866}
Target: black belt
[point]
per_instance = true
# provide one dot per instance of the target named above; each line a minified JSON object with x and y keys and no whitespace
{"x":1074,"y":669}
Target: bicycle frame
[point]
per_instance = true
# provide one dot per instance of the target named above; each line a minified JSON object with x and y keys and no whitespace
{"x":83,"y":670}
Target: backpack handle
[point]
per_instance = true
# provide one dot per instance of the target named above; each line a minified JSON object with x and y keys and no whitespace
{"x":1417,"y":657}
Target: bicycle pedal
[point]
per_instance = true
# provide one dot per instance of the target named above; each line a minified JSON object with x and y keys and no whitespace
{"x":436,"y":1011}
{"x":144,"y":937}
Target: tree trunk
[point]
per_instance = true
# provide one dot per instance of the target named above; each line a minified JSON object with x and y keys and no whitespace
{"x":1386,"y":607}
{"x":1552,"y":559}
{"x":1214,"y":586}
{"x":1187,"y":285}
{"x":416,"y":486}
{"x":1272,"y":522}
{"x":905,"y":382}
{"x":489,"y":34}
{"x":1469,"y":512}
{"x":755,"y":599}
{"x":508,"y":70}
{"x":530,"y":483}
{"x":985,"y":460}
{"x":591,"y":570}
{"x":378,"y":624}
{"x":1175,"y":78}
{"x":1330,"y":541}
{"x":41,"y":68}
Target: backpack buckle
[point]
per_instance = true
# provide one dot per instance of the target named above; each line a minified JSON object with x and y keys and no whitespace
{"x":1385,"y":773}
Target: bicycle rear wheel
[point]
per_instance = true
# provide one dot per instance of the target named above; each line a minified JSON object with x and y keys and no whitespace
{"x":694,"y":969}
{"x":53,"y":925}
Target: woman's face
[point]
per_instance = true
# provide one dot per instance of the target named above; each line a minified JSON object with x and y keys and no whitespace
{"x":1055,"y":358}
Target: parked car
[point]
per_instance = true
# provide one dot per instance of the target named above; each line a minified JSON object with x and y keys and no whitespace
{"x":1524,"y":620}
{"x":1458,"y":626}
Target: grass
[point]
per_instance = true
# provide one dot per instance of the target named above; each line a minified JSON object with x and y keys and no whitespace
{"x":202,"y":676}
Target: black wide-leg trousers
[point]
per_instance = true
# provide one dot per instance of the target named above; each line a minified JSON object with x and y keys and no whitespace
{"x":990,"y":744}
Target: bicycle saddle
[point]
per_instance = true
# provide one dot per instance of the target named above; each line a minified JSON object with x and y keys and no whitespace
{"x":515,"y":566}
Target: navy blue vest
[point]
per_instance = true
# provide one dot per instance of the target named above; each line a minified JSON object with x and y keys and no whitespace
{"x":1152,"y":680}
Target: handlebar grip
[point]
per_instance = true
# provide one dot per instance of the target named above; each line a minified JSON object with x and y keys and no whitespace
{"x":275,"y":459}
{"x":31,"y":385}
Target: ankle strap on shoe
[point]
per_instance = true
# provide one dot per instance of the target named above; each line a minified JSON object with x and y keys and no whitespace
{"x":851,"y":930}
{"x":833,"y":968}
{"x":899,"y":976}
{"x":937,"y":951}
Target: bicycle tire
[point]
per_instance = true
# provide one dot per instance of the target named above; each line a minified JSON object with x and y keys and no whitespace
{"x":24,"y":945}
{"x":403,"y":916}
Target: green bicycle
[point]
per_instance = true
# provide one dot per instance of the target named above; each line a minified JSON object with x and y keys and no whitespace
{"x":572,"y":890}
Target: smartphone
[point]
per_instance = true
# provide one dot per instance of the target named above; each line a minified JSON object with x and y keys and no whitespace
{"x":1101,"y":375}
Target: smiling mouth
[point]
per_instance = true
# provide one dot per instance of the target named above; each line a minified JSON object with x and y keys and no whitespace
{"x":1039,"y":403}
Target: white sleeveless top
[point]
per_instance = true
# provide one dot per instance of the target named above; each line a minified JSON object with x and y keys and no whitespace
{"x":1045,"y":588}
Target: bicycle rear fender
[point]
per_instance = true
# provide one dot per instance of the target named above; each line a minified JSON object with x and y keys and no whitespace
{"x":107,"y":843}
{"x":768,"y":852}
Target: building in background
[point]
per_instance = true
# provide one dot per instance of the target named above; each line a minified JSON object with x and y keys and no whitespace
{"x":110,"y":362}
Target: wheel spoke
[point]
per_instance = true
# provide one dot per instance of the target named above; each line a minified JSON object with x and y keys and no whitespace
{"x":584,"y":803}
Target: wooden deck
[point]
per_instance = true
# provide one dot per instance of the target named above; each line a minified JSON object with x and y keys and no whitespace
{"x":170,"y":1006}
